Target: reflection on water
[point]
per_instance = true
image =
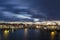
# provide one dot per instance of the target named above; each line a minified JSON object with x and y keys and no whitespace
{"x":6,"y":33}
{"x":12,"y":30}
{"x":25,"y":33}
{"x":29,"y":34}
{"x":52,"y":35}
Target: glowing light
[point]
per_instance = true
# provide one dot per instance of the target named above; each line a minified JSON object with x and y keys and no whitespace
{"x":6,"y":31}
{"x":37,"y":26}
{"x":52,"y":33}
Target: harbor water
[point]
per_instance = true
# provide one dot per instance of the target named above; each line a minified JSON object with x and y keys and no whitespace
{"x":29,"y":34}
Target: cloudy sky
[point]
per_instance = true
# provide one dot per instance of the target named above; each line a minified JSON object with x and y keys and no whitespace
{"x":29,"y":10}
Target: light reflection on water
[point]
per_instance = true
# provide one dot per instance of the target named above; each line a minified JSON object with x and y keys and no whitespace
{"x":29,"y":34}
{"x":6,"y":32}
{"x":53,"y":35}
{"x":25,"y":33}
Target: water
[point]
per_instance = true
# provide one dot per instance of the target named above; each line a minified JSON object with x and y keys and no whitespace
{"x":29,"y":34}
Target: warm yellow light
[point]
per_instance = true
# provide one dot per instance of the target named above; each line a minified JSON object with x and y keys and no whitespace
{"x":6,"y":31}
{"x":37,"y":26}
{"x":52,"y":33}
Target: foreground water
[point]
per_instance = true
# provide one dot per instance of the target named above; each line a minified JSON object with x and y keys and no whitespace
{"x":29,"y":34}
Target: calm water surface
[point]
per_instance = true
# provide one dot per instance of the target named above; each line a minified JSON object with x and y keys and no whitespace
{"x":29,"y":34}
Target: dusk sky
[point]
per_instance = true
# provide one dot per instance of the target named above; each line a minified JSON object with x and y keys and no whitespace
{"x":29,"y":10}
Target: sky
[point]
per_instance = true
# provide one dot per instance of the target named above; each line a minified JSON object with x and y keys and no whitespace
{"x":29,"y":10}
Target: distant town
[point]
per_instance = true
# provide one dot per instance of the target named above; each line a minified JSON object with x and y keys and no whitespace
{"x":39,"y":25}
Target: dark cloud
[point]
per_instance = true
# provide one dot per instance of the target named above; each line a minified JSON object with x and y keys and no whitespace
{"x":29,"y":10}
